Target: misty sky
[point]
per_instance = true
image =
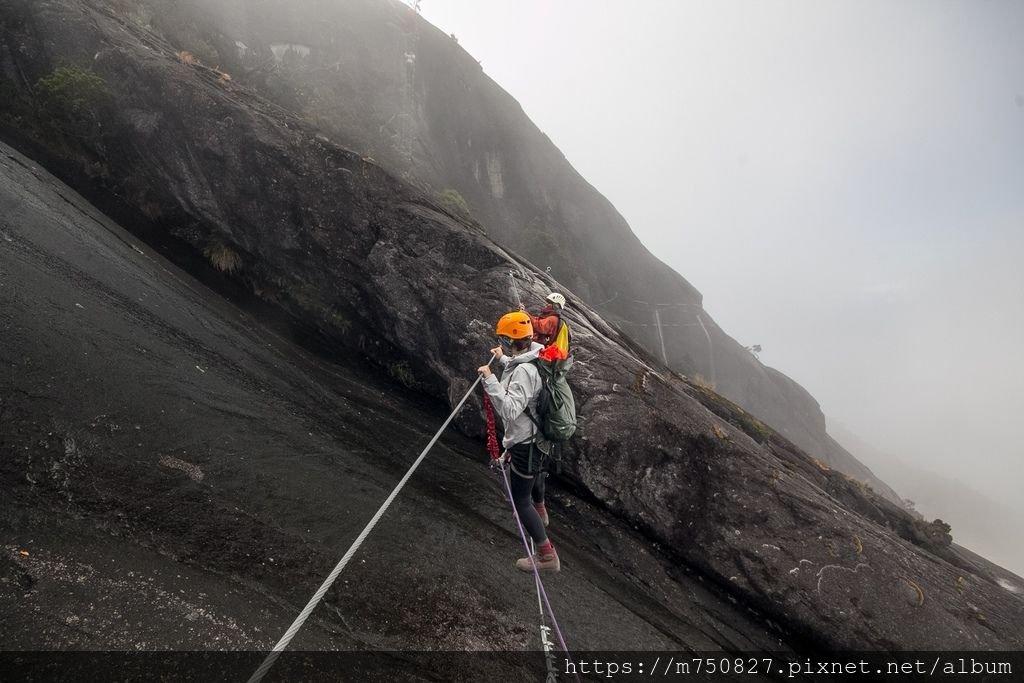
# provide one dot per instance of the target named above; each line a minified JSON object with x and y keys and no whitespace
{"x":843,"y":181}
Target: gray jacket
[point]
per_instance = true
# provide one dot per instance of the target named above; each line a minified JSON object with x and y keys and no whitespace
{"x":518,"y":389}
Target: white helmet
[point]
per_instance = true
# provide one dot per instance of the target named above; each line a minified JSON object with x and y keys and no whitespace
{"x":556,"y":298}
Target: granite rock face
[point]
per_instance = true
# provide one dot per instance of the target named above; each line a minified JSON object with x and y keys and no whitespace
{"x":382,"y":269}
{"x":178,"y":474}
{"x":373,"y":75}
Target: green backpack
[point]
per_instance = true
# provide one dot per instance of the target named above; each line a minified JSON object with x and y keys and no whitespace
{"x":556,"y":408}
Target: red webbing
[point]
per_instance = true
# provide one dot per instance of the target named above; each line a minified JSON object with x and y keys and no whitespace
{"x":492,"y":431}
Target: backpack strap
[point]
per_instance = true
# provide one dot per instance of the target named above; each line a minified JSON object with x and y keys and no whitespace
{"x":537,"y":424}
{"x":529,"y":413}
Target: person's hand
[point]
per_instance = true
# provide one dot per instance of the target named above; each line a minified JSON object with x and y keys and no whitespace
{"x":498,"y":353}
{"x":485,"y":371}
{"x":500,"y":460}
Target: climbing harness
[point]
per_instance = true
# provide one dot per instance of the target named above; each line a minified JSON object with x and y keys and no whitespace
{"x":545,"y":630}
{"x":308,"y":609}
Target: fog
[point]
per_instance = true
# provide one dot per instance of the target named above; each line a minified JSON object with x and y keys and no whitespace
{"x":844,"y":182}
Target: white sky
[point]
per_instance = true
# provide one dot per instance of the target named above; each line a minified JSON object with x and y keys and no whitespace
{"x":844,"y":182}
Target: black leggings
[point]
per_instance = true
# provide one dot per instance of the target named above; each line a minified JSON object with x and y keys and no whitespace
{"x":521,"y":487}
{"x":538,"y":488}
{"x":525,"y":489}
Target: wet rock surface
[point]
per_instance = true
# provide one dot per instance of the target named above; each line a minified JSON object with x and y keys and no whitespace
{"x":377,"y":77}
{"x":295,"y":455}
{"x":124,"y":380}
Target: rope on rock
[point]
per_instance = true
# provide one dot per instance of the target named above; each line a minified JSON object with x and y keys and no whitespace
{"x":533,"y":562}
{"x":515,"y":289}
{"x":545,"y":631}
{"x":308,"y":609}
{"x":492,"y":449}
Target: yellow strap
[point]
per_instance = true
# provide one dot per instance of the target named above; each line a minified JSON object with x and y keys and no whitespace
{"x":562,"y":338}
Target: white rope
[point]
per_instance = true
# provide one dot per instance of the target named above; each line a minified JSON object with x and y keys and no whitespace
{"x":533,"y":563}
{"x":545,"y":641}
{"x":536,"y":579}
{"x":515,"y":289}
{"x":308,"y":609}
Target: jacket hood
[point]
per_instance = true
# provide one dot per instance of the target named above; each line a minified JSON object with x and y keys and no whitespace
{"x":529,"y":355}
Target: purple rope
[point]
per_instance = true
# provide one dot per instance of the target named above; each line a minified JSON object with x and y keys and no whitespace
{"x":533,"y":561}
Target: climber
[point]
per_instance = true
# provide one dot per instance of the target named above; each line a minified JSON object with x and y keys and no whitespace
{"x":517,"y":391}
{"x":552,"y":332}
{"x":549,"y":328}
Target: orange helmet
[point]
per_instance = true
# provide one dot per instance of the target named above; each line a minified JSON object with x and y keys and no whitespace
{"x":514,"y":325}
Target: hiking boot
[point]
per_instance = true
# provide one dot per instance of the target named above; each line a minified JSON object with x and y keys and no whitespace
{"x":543,"y":512}
{"x":545,"y":563}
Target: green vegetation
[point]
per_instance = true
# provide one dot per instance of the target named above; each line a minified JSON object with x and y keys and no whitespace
{"x":65,"y":111}
{"x":73,"y":99}
{"x":702,"y":382}
{"x":639,"y":381}
{"x":935,"y":534}
{"x":223,"y":258}
{"x":454,"y":204}
{"x":203,"y":50}
{"x":754,"y":428}
{"x":863,"y":485}
{"x":403,"y":373}
{"x":334,"y":318}
{"x":309,"y":300}
{"x":69,"y":107}
{"x":729,"y":411}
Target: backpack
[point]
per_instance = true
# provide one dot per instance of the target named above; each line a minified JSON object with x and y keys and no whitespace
{"x":562,"y":338}
{"x":556,"y":408}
